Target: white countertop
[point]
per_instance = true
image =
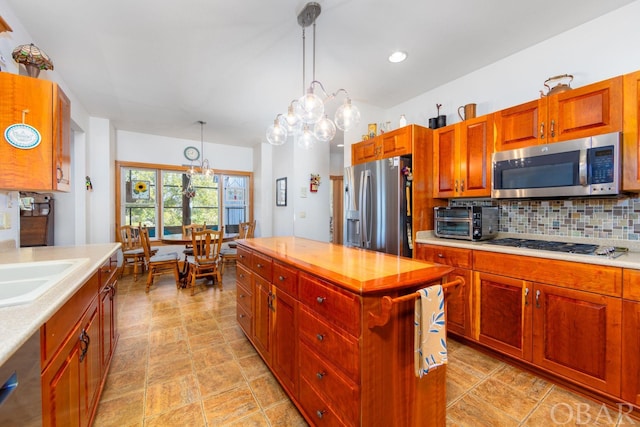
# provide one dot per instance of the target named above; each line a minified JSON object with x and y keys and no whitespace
{"x":627,"y":260}
{"x":19,"y":322}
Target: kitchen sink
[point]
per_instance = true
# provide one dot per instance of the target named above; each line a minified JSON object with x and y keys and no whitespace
{"x":24,"y":282}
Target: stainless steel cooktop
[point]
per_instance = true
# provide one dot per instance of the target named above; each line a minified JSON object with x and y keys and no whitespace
{"x":572,"y":248}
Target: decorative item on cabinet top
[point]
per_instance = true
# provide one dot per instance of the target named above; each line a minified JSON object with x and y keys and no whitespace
{"x":33,"y":58}
{"x":559,"y":88}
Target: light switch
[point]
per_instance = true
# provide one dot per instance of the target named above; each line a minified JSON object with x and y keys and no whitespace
{"x":302,"y":215}
{"x":303,"y":192}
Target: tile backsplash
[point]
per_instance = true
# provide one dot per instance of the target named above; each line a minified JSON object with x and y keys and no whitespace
{"x":614,"y":218}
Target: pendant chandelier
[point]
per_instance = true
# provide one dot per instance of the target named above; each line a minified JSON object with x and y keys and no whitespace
{"x":305,"y":117}
{"x":203,"y":167}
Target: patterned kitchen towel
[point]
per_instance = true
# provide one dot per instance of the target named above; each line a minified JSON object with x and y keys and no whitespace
{"x":430,"y":335}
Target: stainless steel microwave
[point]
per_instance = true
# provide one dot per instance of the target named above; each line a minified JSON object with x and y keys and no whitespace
{"x":582,"y":167}
{"x":466,"y":222}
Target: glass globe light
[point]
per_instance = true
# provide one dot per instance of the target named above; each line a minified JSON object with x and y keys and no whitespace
{"x":310,"y":107}
{"x":276,"y":134}
{"x":324,"y":130}
{"x":293,"y":127}
{"x":347,"y":116}
{"x":306,"y":139}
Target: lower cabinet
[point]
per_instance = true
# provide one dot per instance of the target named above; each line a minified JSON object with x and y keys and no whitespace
{"x":458,"y":300}
{"x":566,"y":318}
{"x":78,"y":342}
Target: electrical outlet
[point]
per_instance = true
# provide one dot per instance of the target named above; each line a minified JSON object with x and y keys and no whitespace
{"x":302,"y":215}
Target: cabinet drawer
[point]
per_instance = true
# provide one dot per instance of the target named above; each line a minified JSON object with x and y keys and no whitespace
{"x":454,"y":257}
{"x":330,"y":302}
{"x":341,"y":392}
{"x":262,"y":265}
{"x":243,"y":276}
{"x":631,"y":284}
{"x":330,"y":342}
{"x":318,"y":410}
{"x":244,"y":256}
{"x":64,"y":320}
{"x":244,"y":297}
{"x":244,"y":320}
{"x":285,"y":278}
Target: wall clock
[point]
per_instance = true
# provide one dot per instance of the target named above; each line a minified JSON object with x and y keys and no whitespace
{"x":191,"y":153}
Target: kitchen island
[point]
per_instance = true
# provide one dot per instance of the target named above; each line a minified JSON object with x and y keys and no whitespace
{"x":313,"y":312}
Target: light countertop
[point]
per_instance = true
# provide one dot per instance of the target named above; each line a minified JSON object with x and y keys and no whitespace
{"x":19,"y":322}
{"x":627,"y":260}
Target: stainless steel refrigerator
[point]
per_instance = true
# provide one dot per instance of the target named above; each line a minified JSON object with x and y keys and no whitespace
{"x":378,"y":206}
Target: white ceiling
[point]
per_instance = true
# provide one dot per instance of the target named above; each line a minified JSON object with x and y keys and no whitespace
{"x":158,"y":67}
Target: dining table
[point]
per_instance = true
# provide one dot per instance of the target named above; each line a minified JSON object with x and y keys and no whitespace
{"x":185,"y":239}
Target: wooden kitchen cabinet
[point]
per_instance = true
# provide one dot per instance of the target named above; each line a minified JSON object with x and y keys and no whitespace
{"x":631,"y":132}
{"x":458,"y":300}
{"x":577,"y":335}
{"x":44,"y":106}
{"x":563,"y":317}
{"x":78,"y":343}
{"x":390,"y":144}
{"x":462,"y":158}
{"x":631,"y":336}
{"x":577,"y":113}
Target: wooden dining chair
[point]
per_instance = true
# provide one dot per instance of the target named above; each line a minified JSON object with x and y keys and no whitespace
{"x":206,"y":257}
{"x":132,"y":251}
{"x":160,"y":263}
{"x":229,"y":255}
{"x":187,"y":230}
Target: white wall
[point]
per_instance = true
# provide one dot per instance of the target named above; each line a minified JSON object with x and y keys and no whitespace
{"x":9,"y":209}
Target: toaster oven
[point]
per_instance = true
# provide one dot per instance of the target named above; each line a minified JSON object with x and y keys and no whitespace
{"x":466,"y":222}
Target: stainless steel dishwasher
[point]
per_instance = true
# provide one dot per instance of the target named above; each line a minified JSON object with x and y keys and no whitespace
{"x":20,"y":387}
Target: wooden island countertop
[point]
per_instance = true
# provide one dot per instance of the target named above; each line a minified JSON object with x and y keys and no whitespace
{"x":356,"y":270}
{"x":335,"y":325}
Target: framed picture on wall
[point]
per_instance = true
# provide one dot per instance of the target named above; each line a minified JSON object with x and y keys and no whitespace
{"x":281,"y":192}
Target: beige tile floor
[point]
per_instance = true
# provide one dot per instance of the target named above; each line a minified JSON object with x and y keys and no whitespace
{"x":183,"y":361}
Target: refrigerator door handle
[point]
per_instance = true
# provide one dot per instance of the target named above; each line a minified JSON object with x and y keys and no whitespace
{"x":365,"y":208}
{"x":361,"y":215}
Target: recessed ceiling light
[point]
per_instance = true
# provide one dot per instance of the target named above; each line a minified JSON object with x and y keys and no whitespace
{"x":398,"y":56}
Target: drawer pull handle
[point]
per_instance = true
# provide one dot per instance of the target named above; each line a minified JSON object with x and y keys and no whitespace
{"x":320,"y":413}
{"x":320,"y":337}
{"x":320,"y":300}
{"x":538,"y":299}
{"x":259,"y":265}
{"x":281,"y":278}
{"x":85,"y":340}
{"x":242,"y":295}
{"x":440,"y":256}
{"x":241,"y":316}
{"x":320,"y":375}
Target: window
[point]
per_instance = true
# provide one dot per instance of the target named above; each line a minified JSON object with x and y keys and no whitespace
{"x":181,"y":199}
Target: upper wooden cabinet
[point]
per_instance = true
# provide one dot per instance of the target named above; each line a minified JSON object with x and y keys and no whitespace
{"x":589,"y":110}
{"x":462,"y":158}
{"x":390,"y":144}
{"x":631,"y":153}
{"x":44,"y":106}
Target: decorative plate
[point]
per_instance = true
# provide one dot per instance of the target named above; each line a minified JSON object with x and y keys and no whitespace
{"x":191,"y":153}
{"x":22,"y":136}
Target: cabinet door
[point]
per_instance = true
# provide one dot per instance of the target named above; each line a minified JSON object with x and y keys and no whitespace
{"x":585,"y":111}
{"x":26,"y":100}
{"x":365,"y":151}
{"x":630,"y":351}
{"x":61,"y":386}
{"x":396,"y":143}
{"x":476,"y":147}
{"x":503,"y":305}
{"x":577,"y":335}
{"x":61,"y":140}
{"x":285,"y":338}
{"x":517,"y":127}
{"x":445,"y":166}
{"x":458,"y":304}
{"x":90,"y":358}
{"x":262,"y":306}
{"x":631,"y":127}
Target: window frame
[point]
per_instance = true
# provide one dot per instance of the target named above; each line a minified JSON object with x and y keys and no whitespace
{"x":159,"y":168}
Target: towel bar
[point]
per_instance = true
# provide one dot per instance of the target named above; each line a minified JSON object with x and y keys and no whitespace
{"x":386,"y":304}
